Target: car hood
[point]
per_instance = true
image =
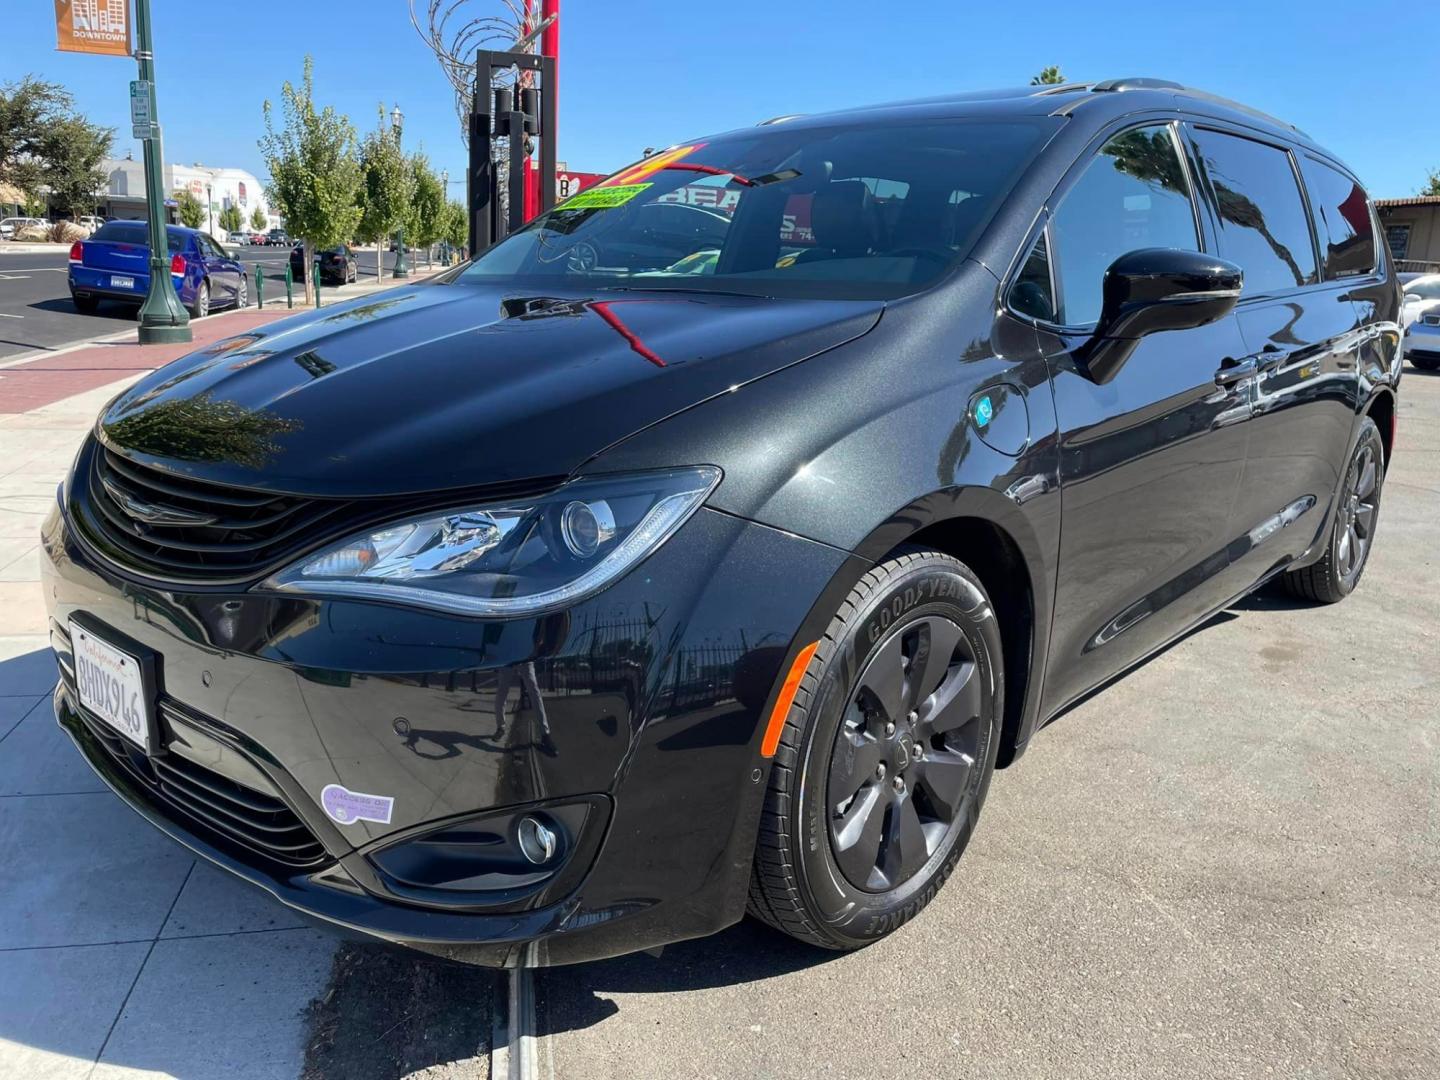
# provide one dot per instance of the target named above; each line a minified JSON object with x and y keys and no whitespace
{"x":439,"y":386}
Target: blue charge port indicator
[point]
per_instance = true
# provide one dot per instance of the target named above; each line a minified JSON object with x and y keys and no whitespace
{"x":984,"y":411}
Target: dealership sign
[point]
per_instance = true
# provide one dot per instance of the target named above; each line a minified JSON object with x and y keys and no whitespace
{"x":572,"y":183}
{"x":93,"y":26}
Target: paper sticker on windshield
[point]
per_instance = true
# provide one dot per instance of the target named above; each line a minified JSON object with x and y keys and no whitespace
{"x":348,"y":807}
{"x":602,"y":198}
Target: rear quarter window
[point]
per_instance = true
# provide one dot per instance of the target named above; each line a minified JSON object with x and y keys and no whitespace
{"x":1343,"y":221}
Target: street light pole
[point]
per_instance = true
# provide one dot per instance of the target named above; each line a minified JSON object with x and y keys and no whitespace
{"x":163,"y":320}
{"x":397,"y":118}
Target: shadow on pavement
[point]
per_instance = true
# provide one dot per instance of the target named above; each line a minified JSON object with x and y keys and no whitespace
{"x":119,"y":310}
{"x":30,"y":674}
{"x":577,"y":997}
{"x":390,"y":1013}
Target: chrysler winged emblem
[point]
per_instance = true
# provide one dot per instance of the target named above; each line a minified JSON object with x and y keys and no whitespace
{"x":155,"y":513}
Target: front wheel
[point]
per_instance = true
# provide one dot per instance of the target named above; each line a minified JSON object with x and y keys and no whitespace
{"x":885,"y":758}
{"x":242,"y":297}
{"x":1335,"y":576}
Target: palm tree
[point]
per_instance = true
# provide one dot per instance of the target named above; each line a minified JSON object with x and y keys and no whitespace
{"x":1049,"y":76}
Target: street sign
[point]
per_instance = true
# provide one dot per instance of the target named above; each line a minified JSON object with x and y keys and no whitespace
{"x":142,"y":108}
{"x":93,"y":26}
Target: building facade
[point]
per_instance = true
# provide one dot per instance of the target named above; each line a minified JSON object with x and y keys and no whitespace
{"x":216,"y":188}
{"x":1412,"y":229}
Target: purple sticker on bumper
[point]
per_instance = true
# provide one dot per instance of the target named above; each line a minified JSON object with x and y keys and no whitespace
{"x":348,"y":807}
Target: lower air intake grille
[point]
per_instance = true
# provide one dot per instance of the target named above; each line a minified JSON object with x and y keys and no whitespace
{"x":213,"y":806}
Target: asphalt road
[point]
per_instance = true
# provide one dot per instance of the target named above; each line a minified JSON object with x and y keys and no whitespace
{"x":36,"y":311}
{"x":1225,"y":865}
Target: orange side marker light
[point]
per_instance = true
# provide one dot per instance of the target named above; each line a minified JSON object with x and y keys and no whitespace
{"x":785,"y":700}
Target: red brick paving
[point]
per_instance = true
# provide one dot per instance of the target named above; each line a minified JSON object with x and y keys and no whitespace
{"x":48,"y":379}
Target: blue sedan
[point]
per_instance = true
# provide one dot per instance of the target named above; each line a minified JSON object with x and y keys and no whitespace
{"x":114,"y":264}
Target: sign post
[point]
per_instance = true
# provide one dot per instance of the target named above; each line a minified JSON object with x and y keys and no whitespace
{"x":163,"y":320}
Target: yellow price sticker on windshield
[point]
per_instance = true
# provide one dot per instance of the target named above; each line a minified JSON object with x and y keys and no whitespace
{"x":601,"y":198}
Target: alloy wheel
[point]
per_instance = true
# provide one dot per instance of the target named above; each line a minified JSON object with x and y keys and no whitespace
{"x":904,"y":762}
{"x":1355,"y":524}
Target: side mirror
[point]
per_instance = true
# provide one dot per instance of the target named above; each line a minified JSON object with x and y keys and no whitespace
{"x":1156,"y":289}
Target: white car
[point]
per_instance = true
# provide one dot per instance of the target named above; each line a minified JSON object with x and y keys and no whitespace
{"x":1422,"y":294}
{"x":90,"y":222}
{"x":11,"y":225}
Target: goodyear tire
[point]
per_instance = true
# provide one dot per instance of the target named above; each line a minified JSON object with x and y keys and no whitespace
{"x":885,"y":757}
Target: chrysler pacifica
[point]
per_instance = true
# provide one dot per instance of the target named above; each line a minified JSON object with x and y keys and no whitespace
{"x":706,"y":545}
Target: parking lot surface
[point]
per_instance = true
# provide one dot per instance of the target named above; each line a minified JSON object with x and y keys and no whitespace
{"x":1225,"y":865}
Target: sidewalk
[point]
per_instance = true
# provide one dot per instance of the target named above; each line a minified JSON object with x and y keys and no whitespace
{"x":120,"y":955}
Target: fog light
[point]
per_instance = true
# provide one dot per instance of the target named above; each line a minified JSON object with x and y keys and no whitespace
{"x":537,"y":840}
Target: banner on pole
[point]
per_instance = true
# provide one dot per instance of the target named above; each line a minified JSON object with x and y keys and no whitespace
{"x":93,"y":26}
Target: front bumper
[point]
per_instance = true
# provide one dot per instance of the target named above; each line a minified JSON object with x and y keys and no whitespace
{"x":644,"y":704}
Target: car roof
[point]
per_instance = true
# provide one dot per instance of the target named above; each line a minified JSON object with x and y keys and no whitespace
{"x":1103,"y":100}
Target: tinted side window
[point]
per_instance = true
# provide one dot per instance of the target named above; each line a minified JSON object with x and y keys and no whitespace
{"x":1342,"y":209}
{"x":1263,"y":224}
{"x":1133,"y":195}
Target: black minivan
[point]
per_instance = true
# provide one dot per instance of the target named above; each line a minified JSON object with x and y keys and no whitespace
{"x":706,"y":545}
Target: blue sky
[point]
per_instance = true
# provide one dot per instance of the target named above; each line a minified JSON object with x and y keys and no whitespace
{"x":1359,"y":77}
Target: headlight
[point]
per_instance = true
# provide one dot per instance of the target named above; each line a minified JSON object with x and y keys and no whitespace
{"x":507,"y":560}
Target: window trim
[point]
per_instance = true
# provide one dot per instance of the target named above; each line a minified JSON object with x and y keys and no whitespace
{"x":1061,"y":192}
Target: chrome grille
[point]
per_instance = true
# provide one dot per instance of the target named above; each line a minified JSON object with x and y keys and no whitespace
{"x":178,"y":528}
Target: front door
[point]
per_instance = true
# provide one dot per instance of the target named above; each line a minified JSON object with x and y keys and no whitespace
{"x":1150,"y":461}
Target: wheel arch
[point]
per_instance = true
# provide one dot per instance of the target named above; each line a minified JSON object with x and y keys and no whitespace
{"x":988,"y":533}
{"x":1381,"y":409}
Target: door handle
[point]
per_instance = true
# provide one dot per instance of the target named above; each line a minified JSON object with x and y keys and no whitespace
{"x":1235,"y":371}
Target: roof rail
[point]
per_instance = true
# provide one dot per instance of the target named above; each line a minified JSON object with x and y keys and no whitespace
{"x":1120,"y":85}
{"x":1050,"y":90}
{"x":780,"y":119}
{"x":1135,"y":83}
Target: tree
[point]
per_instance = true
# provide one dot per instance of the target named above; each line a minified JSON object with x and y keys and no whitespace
{"x":314,"y":174}
{"x":1049,"y":76}
{"x":427,"y":205}
{"x":45,"y":143}
{"x":189,"y":209}
{"x":258,"y":220}
{"x":231,"y":220}
{"x":1432,"y":183}
{"x":387,"y":189}
{"x":455,"y":227}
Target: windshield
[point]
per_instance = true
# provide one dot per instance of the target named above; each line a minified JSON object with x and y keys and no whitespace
{"x":1426,"y":288}
{"x":869,"y":212}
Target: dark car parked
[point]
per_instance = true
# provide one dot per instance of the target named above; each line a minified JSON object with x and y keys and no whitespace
{"x":593,"y":601}
{"x":114,"y":264}
{"x":337,"y":264}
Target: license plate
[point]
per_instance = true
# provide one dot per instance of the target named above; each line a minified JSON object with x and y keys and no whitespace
{"x":117,"y":281}
{"x":111,"y":684}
